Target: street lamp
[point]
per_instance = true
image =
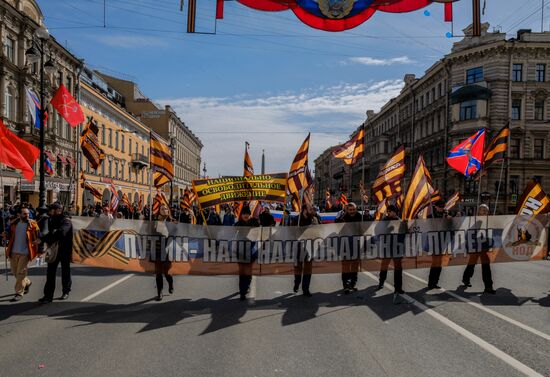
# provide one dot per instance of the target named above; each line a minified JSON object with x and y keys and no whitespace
{"x":36,"y":53}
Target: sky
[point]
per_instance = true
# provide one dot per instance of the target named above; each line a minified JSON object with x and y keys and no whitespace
{"x":264,"y":77}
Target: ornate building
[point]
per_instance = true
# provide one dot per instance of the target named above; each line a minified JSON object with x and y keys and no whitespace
{"x":19,"y":20}
{"x":124,"y":139}
{"x":484,"y":82}
{"x":164,"y":121}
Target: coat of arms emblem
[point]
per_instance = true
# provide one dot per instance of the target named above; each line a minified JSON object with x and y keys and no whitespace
{"x":336,"y":9}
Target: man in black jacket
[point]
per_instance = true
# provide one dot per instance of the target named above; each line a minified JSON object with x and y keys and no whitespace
{"x":303,"y":266}
{"x":245,"y":268}
{"x":438,"y":212}
{"x":60,"y":231}
{"x":397,"y":268}
{"x":266,"y":218}
{"x":350,"y":268}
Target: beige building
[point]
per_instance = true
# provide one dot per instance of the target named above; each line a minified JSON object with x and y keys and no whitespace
{"x":19,"y":20}
{"x":124,"y":139}
{"x":164,"y":120}
{"x":484,"y":81}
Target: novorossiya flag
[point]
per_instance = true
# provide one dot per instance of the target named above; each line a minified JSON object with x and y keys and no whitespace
{"x":467,"y":156}
{"x":352,"y":150}
{"x":161,"y":161}
{"x":299,"y":178}
{"x":420,"y":192}
{"x":496,"y":150}
{"x":533,"y":201}
{"x":388,"y":182}
{"x":89,"y":143}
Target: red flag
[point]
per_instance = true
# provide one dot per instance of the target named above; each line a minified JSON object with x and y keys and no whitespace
{"x":467,"y":156}
{"x":17,"y":153}
{"x":67,"y":106}
{"x":448,"y":12}
{"x":219,"y":9}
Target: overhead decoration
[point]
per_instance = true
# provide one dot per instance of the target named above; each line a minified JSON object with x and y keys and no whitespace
{"x":340,"y":15}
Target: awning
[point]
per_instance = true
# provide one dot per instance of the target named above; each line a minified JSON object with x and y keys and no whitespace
{"x":471,"y":92}
{"x":50,"y":155}
{"x":71,"y":161}
{"x":62,"y":159}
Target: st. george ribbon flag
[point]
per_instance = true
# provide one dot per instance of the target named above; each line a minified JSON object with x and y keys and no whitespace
{"x":217,"y":250}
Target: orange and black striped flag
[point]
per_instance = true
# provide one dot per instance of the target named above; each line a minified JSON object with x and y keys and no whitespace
{"x":453,"y":201}
{"x":533,"y":201}
{"x":86,"y":186}
{"x":299,"y":177}
{"x":496,"y":150}
{"x":161,"y":161}
{"x":436,"y":196}
{"x":381,"y":209}
{"x":388,"y":182}
{"x":352,"y":150}
{"x":248,"y":170}
{"x":185,"y":203}
{"x":89,"y":143}
{"x":363,"y":192}
{"x":126,"y":201}
{"x":344,"y":200}
{"x":160,"y":200}
{"x":420,"y":192}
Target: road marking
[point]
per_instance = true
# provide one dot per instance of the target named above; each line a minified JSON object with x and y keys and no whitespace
{"x":487,"y":310}
{"x":252,"y":294}
{"x":514,"y":363}
{"x":105,"y":289}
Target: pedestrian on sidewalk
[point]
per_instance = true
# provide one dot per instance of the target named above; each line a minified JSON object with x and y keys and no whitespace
{"x":60,"y":232}
{"x":22,"y":249}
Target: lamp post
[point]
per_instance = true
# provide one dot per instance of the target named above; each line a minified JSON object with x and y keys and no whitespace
{"x":35,"y":54}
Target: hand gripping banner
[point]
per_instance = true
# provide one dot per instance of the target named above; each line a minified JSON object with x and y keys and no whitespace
{"x":329,"y":248}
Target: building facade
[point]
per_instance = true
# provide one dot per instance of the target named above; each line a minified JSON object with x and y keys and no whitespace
{"x":124,"y":139}
{"x":19,"y":20}
{"x":484,"y":82}
{"x":164,"y":121}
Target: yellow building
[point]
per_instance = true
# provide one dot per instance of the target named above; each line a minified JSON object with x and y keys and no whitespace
{"x":124,"y":139}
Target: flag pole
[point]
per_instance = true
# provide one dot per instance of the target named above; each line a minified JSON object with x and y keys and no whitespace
{"x":150,"y":182}
{"x":363,"y":185}
{"x":3,"y":219}
{"x":498,"y":188}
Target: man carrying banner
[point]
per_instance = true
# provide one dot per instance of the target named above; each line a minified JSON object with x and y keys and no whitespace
{"x":162,"y":267}
{"x":350,"y":268}
{"x":303,"y":265}
{"x":483,"y":210}
{"x":391,"y":214}
{"x":438,"y":212}
{"x":245,"y":268}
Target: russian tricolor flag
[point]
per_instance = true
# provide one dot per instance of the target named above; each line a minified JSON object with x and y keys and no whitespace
{"x":33,"y":104}
{"x":48,"y":167}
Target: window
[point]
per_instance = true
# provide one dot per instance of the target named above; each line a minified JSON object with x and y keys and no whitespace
{"x":116,"y":169}
{"x":122,"y":147}
{"x":9,"y":49}
{"x":539,"y":110}
{"x":514,"y":148}
{"x":87,"y":166}
{"x":110,"y":173}
{"x":539,"y":149}
{"x":116,"y":140}
{"x":9,"y":100}
{"x":103,"y":169}
{"x":514,"y":184}
{"x":103,"y":134}
{"x":541,"y":72}
{"x":517,"y":72}
{"x":130,"y":146}
{"x":433,"y":94}
{"x":110,"y":137}
{"x":516,"y":109}
{"x":468,"y":110}
{"x":474,"y":75}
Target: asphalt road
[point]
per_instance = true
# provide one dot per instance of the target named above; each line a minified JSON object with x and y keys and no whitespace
{"x":111,"y":326}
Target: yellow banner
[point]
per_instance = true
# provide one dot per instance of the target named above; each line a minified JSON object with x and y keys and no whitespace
{"x":266,"y":188}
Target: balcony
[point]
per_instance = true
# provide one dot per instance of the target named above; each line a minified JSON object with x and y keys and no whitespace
{"x":139,"y":161}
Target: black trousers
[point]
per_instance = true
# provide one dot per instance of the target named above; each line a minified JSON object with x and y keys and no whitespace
{"x":245,"y":278}
{"x":302,"y":275}
{"x":349,"y":273}
{"x":66,"y":282}
{"x":486,"y":274}
{"x":160,"y":281}
{"x":397,"y":274}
